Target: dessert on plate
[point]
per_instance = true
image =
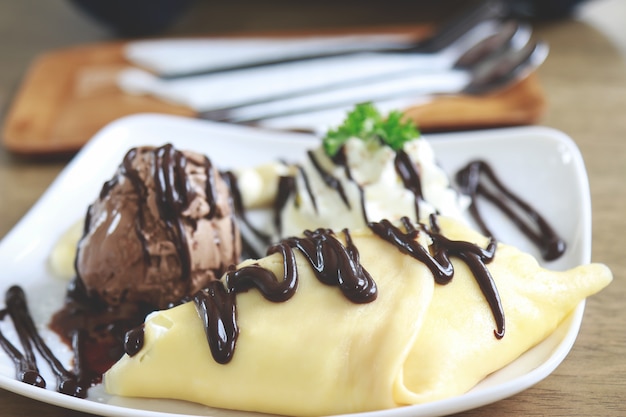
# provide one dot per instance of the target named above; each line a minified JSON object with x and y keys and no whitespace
{"x":162,"y":228}
{"x":373,"y":293}
{"x":353,"y":321}
{"x":367,"y":169}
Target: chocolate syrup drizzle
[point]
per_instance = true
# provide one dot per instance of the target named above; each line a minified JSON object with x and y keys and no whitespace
{"x":25,"y":364}
{"x":307,"y":185}
{"x":439,"y":263}
{"x":173,"y":195}
{"x":248,"y":249}
{"x":336,"y":264}
{"x":333,"y":264}
{"x":404,"y":166}
{"x":469,"y":179}
{"x":173,"y":192}
{"x":407,"y":171}
{"x":329,"y":179}
{"x":340,"y":159}
{"x":286,"y":187}
{"x":216,"y":308}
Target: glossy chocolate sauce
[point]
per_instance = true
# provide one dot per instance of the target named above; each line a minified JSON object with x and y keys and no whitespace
{"x":333,"y":264}
{"x":172,"y":194}
{"x":99,"y":334}
{"x":216,"y":308}
{"x":405,"y":168}
{"x":102,"y":329}
{"x":307,"y":186}
{"x":69,"y":383}
{"x":336,"y":264}
{"x":248,"y":249}
{"x":210,"y":189}
{"x":133,"y":340}
{"x":329,"y":179}
{"x":286,"y":187}
{"x":439,"y":263}
{"x":471,"y":180}
{"x":407,"y":171}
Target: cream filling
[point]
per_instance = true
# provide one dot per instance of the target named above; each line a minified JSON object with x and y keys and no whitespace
{"x":385,"y":197}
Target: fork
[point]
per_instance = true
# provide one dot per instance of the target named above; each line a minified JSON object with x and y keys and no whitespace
{"x":444,"y":38}
{"x":224,"y":90}
{"x":495,"y":73}
{"x":491,"y":40}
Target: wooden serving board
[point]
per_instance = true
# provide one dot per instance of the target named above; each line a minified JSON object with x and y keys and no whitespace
{"x":68,"y":95}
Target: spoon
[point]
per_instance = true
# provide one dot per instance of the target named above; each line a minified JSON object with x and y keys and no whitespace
{"x":446,"y":37}
{"x":497,"y":72}
{"x":509,"y":34}
{"x":224,"y":90}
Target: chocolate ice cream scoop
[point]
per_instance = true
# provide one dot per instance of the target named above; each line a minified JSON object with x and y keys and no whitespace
{"x":161,"y":229}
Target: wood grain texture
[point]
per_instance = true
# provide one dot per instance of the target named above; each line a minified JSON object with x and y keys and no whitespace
{"x":71,"y":93}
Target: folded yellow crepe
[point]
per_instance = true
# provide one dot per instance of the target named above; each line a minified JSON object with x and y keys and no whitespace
{"x":319,"y":353}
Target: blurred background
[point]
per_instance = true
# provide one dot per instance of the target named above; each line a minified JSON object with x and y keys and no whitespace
{"x":576,"y":31}
{"x":30,"y":27}
{"x":583,"y":78}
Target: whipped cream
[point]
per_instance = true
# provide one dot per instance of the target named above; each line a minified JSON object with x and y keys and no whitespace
{"x":367,"y":188}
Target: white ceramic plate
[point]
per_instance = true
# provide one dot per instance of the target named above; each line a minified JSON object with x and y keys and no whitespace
{"x":542,"y":165}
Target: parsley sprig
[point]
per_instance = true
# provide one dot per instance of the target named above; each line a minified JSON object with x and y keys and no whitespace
{"x":366,"y":123}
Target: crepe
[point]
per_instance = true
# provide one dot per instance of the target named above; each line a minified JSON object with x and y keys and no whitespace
{"x":318,"y":353}
{"x":456,"y":347}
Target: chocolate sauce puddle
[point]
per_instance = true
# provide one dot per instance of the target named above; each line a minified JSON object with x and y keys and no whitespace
{"x":542,"y":234}
{"x":25,"y":364}
{"x":99,"y":334}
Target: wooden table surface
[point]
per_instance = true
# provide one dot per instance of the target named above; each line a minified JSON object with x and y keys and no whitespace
{"x":585,"y":83}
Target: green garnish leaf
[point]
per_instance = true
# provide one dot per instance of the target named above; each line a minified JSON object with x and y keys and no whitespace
{"x":396,"y":131}
{"x":360,"y":123}
{"x":366,"y":123}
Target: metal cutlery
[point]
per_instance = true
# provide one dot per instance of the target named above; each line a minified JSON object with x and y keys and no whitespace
{"x":493,"y":40}
{"x":225,"y":90}
{"x":475,"y":54}
{"x":445,"y":37}
{"x":507,"y":67}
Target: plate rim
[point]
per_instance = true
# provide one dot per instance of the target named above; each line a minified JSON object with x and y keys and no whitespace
{"x":459,"y":403}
